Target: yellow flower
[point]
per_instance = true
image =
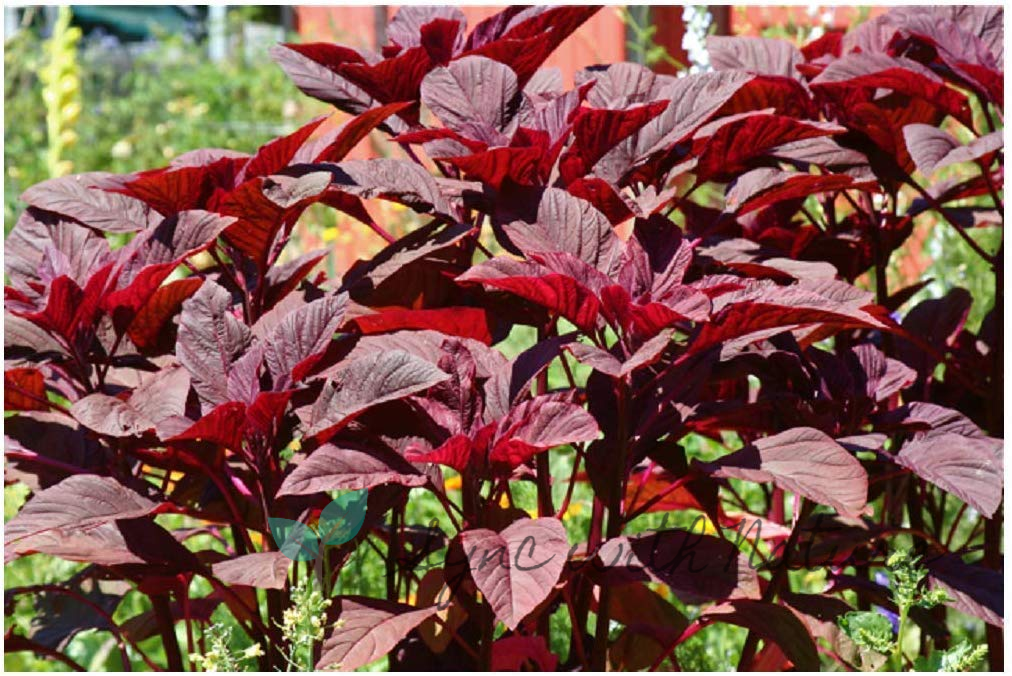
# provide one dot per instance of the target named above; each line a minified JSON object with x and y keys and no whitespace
{"x":71,"y":111}
{"x":329,"y":234}
{"x":253,"y":651}
{"x":64,"y":167}
{"x":453,"y":483}
{"x":504,"y":501}
{"x":574,"y":509}
{"x":708,"y":526}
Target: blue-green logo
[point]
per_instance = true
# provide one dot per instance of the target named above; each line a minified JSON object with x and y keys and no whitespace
{"x":339,"y":522}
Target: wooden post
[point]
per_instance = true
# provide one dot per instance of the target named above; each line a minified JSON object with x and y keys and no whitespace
{"x":721,"y":18}
{"x":670,"y":31}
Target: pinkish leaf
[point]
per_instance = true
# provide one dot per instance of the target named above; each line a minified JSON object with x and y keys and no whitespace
{"x":368,"y":381}
{"x":332,"y":467}
{"x":211,"y":339}
{"x":263,"y":570}
{"x":366,"y":630}
{"x":805,"y":461}
{"x":77,"y":503}
{"x":517,"y":568}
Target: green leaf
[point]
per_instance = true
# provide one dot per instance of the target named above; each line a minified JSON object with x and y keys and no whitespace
{"x":294,"y":539}
{"x":869,"y":630}
{"x":341,"y":520}
{"x":964,"y":657}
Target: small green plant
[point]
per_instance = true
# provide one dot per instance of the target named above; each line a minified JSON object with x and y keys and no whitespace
{"x":303,"y":624}
{"x":873,"y":631}
{"x":964,"y":657}
{"x":220,"y":656}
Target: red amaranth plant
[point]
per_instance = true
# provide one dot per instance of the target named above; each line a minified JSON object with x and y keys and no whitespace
{"x":691,"y":255}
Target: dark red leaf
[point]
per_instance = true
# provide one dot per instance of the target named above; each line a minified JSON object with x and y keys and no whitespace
{"x":533,"y":282}
{"x":774,"y":623}
{"x":975,"y":590}
{"x":146,"y":328}
{"x":514,"y":652}
{"x":694,"y":565}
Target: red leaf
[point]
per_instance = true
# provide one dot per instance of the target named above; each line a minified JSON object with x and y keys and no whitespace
{"x":728,"y":152}
{"x":146,"y":329}
{"x":176,"y":189}
{"x":514,"y":652}
{"x":274,"y":156}
{"x":602,"y":195}
{"x":327,"y":144}
{"x":598,"y":130}
{"x":222,"y":426}
{"x":747,"y":322}
{"x":762,"y":187}
{"x":264,"y":206}
{"x":522,"y":165}
{"x":466,"y":322}
{"x":880,"y":71}
{"x":557,"y":293}
{"x":25,"y":390}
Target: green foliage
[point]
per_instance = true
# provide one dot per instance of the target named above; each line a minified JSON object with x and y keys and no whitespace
{"x":221,"y":655}
{"x":964,"y":657}
{"x":133,"y":115}
{"x":872,"y":631}
{"x":869,"y":630}
{"x":303,"y":623}
{"x":908,"y":588}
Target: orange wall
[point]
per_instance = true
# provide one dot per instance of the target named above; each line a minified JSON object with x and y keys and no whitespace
{"x":751,"y":19}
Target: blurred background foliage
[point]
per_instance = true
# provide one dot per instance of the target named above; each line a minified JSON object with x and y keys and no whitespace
{"x":125,"y":109}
